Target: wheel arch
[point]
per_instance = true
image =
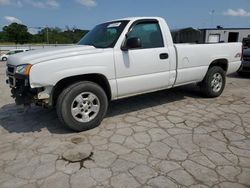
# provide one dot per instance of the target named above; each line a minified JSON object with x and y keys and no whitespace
{"x":99,"y":79}
{"x":222,"y":62}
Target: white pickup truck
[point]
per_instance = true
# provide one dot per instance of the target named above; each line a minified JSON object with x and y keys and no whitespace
{"x":116,"y":59}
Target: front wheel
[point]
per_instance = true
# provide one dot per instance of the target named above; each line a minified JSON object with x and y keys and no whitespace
{"x":214,"y":82}
{"x":4,"y":59}
{"x":82,"y":106}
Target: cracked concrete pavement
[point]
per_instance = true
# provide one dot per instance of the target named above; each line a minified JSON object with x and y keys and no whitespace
{"x":172,"y":138}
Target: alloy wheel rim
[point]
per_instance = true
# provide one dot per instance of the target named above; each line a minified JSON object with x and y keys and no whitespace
{"x":85,"y":107}
{"x":217,"y":82}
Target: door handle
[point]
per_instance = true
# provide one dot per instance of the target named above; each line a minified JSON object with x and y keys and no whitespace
{"x":164,"y":56}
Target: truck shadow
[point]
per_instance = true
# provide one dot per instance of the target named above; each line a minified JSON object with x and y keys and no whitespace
{"x":37,"y":119}
{"x":149,"y":100}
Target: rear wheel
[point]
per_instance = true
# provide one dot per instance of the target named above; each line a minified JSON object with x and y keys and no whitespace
{"x":82,"y":106}
{"x":214,"y":82}
{"x":4,"y":59}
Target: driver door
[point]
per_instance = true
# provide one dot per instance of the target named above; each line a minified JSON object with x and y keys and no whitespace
{"x":146,"y":68}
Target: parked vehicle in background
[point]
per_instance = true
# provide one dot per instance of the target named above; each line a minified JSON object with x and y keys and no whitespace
{"x":4,"y":57}
{"x":245,"y":66}
{"x":115,"y":60}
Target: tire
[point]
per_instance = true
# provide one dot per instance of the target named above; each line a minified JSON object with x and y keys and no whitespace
{"x":214,"y":82}
{"x":4,"y":59}
{"x":78,"y":100}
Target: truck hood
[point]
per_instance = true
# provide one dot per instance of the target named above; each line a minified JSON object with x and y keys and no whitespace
{"x":39,"y":56}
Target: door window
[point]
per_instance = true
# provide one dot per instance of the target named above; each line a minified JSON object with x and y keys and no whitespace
{"x":11,"y":53}
{"x":149,"y":33}
{"x":18,"y":51}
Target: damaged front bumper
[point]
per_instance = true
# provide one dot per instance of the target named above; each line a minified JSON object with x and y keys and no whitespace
{"x":23,"y":93}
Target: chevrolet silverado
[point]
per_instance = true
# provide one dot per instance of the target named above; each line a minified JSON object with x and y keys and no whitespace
{"x":116,"y":59}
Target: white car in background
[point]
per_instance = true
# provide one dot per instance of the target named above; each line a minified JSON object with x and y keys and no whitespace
{"x":4,"y":57}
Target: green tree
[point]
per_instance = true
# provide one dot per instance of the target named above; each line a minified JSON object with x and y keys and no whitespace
{"x":74,"y":34}
{"x":17,"y":33}
{"x":3,"y":37}
{"x":57,"y":36}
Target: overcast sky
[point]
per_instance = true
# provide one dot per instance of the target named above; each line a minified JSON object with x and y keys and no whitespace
{"x":85,"y":14}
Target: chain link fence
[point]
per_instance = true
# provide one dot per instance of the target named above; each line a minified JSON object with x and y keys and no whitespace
{"x":6,"y":48}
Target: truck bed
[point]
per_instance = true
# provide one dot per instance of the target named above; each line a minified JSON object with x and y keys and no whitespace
{"x":193,"y":59}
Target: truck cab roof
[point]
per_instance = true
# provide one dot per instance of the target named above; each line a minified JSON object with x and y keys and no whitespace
{"x":137,"y":18}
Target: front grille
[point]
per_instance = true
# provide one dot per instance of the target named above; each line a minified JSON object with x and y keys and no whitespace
{"x":12,"y":81}
{"x":11,"y":78}
{"x":10,"y":70}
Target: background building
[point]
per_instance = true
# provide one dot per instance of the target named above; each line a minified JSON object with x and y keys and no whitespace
{"x":210,"y":35}
{"x":225,"y":34}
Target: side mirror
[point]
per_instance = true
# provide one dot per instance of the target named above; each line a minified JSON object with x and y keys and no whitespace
{"x":132,"y":43}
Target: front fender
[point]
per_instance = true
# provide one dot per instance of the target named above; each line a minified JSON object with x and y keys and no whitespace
{"x":50,"y":72}
{"x":49,"y":78}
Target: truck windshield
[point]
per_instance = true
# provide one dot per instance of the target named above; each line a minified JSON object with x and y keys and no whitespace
{"x":104,"y":35}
